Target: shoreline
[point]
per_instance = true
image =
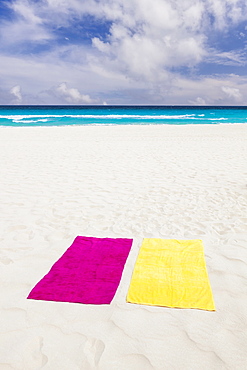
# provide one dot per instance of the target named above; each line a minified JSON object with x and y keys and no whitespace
{"x":160,"y":181}
{"x":130,"y":125}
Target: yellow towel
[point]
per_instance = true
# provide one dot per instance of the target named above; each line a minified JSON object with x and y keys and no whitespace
{"x":171,"y":273}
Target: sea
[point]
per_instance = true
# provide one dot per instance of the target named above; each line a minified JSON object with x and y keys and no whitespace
{"x":64,"y":115}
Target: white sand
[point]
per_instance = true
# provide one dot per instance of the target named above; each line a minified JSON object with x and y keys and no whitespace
{"x":180,"y":182}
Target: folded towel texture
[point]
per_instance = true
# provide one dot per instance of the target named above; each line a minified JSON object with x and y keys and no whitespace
{"x":171,"y":273}
{"x":88,"y":272}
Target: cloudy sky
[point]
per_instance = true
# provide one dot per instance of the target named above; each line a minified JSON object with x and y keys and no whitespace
{"x":123,"y":52}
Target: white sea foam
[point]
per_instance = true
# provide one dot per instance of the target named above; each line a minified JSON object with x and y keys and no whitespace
{"x":29,"y":121}
{"x":218,"y":119}
{"x":96,"y":118}
{"x":107,"y":116}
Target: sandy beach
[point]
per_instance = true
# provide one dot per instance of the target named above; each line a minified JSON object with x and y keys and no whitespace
{"x":171,"y":182}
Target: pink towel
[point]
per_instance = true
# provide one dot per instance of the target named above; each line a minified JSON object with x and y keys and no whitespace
{"x":88,"y":272}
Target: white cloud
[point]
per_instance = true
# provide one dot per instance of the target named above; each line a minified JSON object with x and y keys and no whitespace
{"x":148,"y":43}
{"x":232,"y":92}
{"x":16,"y":91}
{"x":231,"y":58}
{"x":25,"y":9}
{"x":27,"y":26}
{"x":72,"y":95}
{"x":198,"y":101}
{"x":148,"y":38}
{"x":22,"y":32}
{"x":104,"y":47}
{"x":226,"y":12}
{"x":213,"y":90}
{"x":36,"y":76}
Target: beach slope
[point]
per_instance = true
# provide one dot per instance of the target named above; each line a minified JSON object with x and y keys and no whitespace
{"x":171,"y":182}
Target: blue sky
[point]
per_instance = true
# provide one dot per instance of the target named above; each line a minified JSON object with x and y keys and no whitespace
{"x":123,"y":52}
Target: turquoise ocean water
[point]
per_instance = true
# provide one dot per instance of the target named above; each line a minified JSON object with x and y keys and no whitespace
{"x":17,"y":116}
